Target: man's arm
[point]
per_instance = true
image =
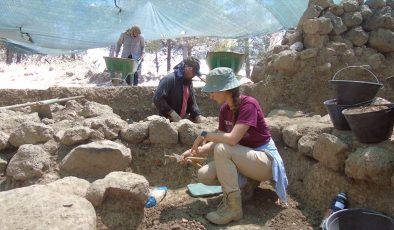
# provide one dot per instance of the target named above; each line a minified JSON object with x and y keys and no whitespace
{"x":119,"y":44}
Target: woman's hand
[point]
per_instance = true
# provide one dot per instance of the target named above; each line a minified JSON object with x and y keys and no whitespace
{"x":197,"y":142}
{"x":184,"y":156}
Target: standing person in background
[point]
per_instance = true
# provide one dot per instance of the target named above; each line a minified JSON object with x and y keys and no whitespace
{"x":133,"y":47}
{"x":174,"y":97}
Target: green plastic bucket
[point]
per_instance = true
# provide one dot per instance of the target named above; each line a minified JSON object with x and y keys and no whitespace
{"x":231,"y":60}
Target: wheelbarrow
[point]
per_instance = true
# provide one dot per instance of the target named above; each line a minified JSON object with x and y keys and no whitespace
{"x":231,"y":60}
{"x":125,"y":66}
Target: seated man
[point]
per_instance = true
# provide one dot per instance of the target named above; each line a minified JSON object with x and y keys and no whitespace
{"x":174,"y":97}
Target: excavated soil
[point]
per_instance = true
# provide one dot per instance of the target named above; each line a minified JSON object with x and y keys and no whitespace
{"x":179,"y":210}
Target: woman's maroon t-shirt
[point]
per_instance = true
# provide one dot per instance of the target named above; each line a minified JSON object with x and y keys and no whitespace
{"x":249,"y":114}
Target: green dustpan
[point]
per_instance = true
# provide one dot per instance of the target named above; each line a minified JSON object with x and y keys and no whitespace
{"x":202,"y":190}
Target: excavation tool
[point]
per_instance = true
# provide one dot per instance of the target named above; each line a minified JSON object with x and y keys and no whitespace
{"x":197,"y":161}
{"x":42,"y":107}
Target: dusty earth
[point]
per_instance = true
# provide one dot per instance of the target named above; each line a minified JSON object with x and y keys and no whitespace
{"x":179,"y":210}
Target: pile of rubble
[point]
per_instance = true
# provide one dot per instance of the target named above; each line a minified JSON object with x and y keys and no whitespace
{"x":83,"y":151}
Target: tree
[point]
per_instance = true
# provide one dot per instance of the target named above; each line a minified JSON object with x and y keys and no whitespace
{"x":169,"y":44}
{"x":154,"y":47}
{"x":9,"y":53}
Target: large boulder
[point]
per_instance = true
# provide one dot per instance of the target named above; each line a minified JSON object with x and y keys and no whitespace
{"x":30,"y":161}
{"x":292,"y":133}
{"x":109,"y":126}
{"x":161,"y":131}
{"x":351,"y":5}
{"x":10,"y":120}
{"x":331,"y":151}
{"x":287,"y":62}
{"x":126,"y":186}
{"x":306,"y":143}
{"x":135,"y":133}
{"x":188,"y":132}
{"x":373,"y":164}
{"x":31,"y":133}
{"x":76,"y":135}
{"x":317,"y":26}
{"x":120,"y":194}
{"x":357,"y":36}
{"x":338,"y":26}
{"x":96,"y":159}
{"x":352,"y":19}
{"x":382,"y":40}
{"x":36,"y":207}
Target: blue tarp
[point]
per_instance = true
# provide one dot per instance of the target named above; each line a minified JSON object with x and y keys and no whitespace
{"x":61,"y":26}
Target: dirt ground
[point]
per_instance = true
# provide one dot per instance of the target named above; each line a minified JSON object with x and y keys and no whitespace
{"x":179,"y":210}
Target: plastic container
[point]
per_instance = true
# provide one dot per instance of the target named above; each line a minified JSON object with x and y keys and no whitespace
{"x":231,"y":60}
{"x":335,"y":112}
{"x":371,"y":127}
{"x":337,"y":204}
{"x":353,"y":92}
{"x":156,"y":195}
{"x":360,"y":219}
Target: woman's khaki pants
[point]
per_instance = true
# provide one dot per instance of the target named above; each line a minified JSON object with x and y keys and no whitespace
{"x":229,"y":160}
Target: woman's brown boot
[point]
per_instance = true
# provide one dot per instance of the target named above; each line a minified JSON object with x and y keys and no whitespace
{"x":231,"y":210}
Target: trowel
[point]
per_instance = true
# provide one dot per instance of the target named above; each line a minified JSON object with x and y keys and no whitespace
{"x":195,"y":160}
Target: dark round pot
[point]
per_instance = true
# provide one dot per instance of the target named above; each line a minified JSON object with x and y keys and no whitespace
{"x":360,"y":219}
{"x":371,"y":127}
{"x":352,"y":92}
{"x":335,"y":112}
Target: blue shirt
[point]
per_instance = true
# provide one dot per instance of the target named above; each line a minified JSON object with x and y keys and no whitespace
{"x":278,"y":169}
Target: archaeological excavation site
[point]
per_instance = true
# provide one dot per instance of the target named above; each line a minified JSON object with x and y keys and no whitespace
{"x":90,"y":157}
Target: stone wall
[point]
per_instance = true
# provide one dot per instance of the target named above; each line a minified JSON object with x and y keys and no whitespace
{"x":328,"y":38}
{"x":322,"y":161}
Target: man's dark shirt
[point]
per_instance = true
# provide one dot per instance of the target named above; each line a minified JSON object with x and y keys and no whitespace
{"x":168,"y":96}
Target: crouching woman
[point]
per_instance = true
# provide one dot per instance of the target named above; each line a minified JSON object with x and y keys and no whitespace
{"x":242,"y":146}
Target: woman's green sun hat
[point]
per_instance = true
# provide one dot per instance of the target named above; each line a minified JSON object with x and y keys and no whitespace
{"x":221,"y":79}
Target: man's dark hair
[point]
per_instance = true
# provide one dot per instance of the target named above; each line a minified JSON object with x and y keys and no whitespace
{"x":193,"y":62}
